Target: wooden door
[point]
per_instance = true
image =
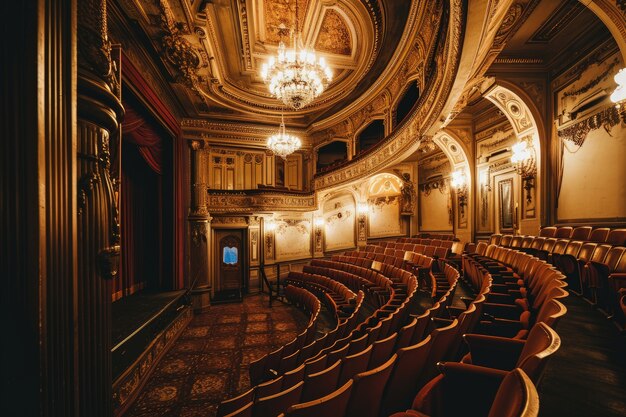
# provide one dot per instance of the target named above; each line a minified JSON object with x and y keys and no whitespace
{"x":231,"y":258}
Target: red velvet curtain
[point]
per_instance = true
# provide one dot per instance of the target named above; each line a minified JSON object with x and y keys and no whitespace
{"x":140,"y":204}
{"x":137,"y":130}
{"x":132,"y":76}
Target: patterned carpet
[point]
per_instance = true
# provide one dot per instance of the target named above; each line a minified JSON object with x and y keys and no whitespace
{"x":210,"y":360}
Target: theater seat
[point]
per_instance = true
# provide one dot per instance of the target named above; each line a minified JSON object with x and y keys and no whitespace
{"x":467,"y":390}
{"x":617,"y":237}
{"x":506,"y":354}
{"x":366,"y":397}
{"x":549,"y":231}
{"x":331,"y":405}
{"x":581,"y":233}
{"x":599,"y":235}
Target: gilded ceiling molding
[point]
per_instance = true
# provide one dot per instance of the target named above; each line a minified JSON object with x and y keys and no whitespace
{"x":406,"y":139}
{"x":612,"y":13}
{"x":259,"y":201}
{"x":238,"y":86}
{"x":178,"y":51}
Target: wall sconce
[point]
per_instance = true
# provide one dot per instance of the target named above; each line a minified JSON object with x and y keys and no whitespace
{"x":619,"y":95}
{"x":319,"y":222}
{"x":270,"y":227}
{"x":525,"y":163}
{"x":459,"y":183}
{"x":362,"y":208}
{"x":484,"y":180}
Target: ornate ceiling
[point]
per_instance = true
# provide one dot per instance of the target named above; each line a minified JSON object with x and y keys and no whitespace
{"x":213,"y":50}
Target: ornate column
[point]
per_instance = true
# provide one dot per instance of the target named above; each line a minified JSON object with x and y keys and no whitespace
{"x":200,"y":272}
{"x":99,"y":113}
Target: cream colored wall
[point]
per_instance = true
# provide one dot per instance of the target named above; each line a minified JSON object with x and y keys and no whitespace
{"x":593,"y":185}
{"x":384,"y":218}
{"x":594,"y":177}
{"x":293,"y":238}
{"x":434,"y":210}
{"x":339,"y":223}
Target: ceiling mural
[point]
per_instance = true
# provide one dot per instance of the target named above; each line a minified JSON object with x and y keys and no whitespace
{"x":213,"y":51}
{"x":334,"y":35}
{"x":280,"y":18}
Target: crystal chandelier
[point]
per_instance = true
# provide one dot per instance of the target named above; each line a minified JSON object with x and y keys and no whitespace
{"x":282,"y":143}
{"x":296,"y":76}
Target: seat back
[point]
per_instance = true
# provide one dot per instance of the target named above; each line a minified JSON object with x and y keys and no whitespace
{"x":365,"y":399}
{"x":516,"y":397}
{"x":586,"y":250}
{"x":599,"y":253}
{"x":268,"y":388}
{"x":599,"y":235}
{"x":506,"y":240}
{"x":495,"y":239}
{"x":234,"y":404}
{"x":381,"y":350}
{"x":564,"y":232}
{"x":559,"y":246}
{"x":322,"y":383}
{"x":278,"y":403}
{"x":402,"y":384}
{"x":541,"y":344}
{"x":245,"y":411}
{"x":537,"y":243}
{"x":354,"y":364}
{"x":527,"y":241}
{"x":617,"y":237}
{"x":516,"y":242}
{"x":292,"y":377}
{"x":548,"y":231}
{"x":333,"y":404}
{"x":581,"y":233}
{"x":405,"y":335}
{"x":315,"y":365}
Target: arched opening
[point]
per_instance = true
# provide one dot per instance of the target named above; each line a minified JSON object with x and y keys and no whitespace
{"x":370,"y":136}
{"x":331,"y":155}
{"x":406,"y":103}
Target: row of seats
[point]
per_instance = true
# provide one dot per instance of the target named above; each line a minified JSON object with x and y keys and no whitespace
{"x":597,"y":271}
{"x":330,"y":346}
{"x":499,"y":374}
{"x":304,"y":300}
{"x":424,"y":249}
{"x":586,"y":233}
{"x":442,"y":236}
{"x":338,"y":298}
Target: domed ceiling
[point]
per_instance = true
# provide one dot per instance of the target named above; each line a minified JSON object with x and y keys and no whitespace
{"x":213,"y":50}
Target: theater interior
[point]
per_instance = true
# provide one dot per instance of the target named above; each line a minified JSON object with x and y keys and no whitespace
{"x":313,"y":208}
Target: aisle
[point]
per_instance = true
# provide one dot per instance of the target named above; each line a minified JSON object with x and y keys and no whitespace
{"x":210,"y":360}
{"x":587,"y":376}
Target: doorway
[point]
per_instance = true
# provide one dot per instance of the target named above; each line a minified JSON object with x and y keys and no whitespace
{"x":231,"y":265}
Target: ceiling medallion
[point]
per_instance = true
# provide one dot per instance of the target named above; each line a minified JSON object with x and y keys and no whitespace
{"x":282,"y":143}
{"x":296,"y":76}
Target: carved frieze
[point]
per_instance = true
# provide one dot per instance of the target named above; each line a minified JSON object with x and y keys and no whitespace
{"x":220,"y":202}
{"x":577,"y":133}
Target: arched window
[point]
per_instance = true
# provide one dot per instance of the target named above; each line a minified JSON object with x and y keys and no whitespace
{"x":370,"y":136}
{"x":331,"y":154}
{"x":406,"y":103}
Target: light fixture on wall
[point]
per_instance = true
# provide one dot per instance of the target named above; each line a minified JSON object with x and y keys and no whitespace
{"x":296,"y":76}
{"x":282,"y":143}
{"x":362,"y":208}
{"x":459,"y":183}
{"x":619,"y":95}
{"x":525,"y":163}
{"x":484,"y":180}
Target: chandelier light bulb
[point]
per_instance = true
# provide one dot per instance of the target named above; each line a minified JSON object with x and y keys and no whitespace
{"x":520,"y":152}
{"x":458,"y":179}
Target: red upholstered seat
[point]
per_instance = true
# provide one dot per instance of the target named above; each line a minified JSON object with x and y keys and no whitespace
{"x":245,"y":411}
{"x":278,"y":403}
{"x":599,"y":235}
{"x":564,"y":232}
{"x":322,"y":383}
{"x":354,"y":364}
{"x":617,"y":237}
{"x":465,"y":390}
{"x":581,"y":233}
{"x":331,"y":405}
{"x":233,"y":405}
{"x":549,"y":231}
{"x":365,"y":399}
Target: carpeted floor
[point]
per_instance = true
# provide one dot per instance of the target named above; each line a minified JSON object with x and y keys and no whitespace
{"x":210,"y":360}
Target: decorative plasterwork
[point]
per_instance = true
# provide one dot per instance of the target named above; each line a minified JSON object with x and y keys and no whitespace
{"x":405,"y":140}
{"x":577,"y":133}
{"x":566,"y":12}
{"x":514,"y":108}
{"x":450,"y":147}
{"x":334,"y":35}
{"x":239,"y":202}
